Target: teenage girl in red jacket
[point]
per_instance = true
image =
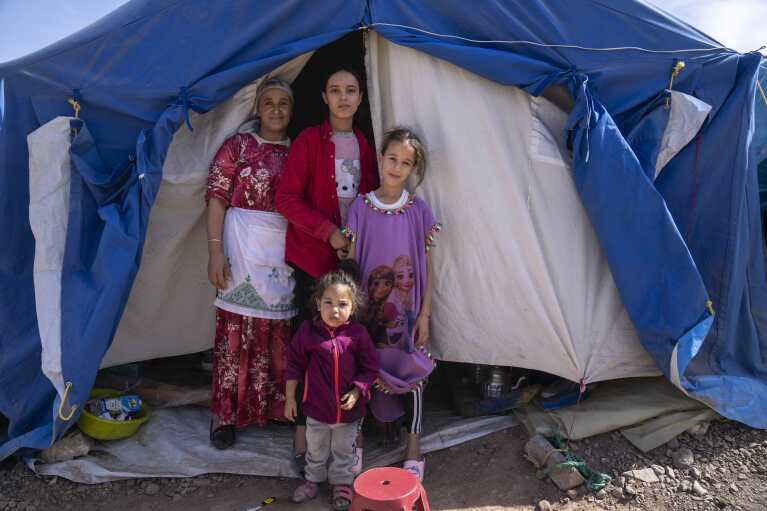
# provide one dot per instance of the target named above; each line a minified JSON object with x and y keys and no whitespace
{"x":327,"y":167}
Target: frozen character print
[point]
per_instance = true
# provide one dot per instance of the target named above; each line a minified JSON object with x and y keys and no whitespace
{"x":404,"y":280}
{"x":381,"y":314}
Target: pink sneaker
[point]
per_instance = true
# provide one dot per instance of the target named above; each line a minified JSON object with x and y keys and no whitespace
{"x":416,"y":467}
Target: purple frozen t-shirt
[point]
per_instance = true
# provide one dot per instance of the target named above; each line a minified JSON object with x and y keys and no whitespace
{"x":391,"y":246}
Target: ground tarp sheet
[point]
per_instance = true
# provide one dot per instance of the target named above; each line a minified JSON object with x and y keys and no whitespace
{"x":648,"y":411}
{"x":174,"y":443}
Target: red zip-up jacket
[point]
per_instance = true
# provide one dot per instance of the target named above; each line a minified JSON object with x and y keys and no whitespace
{"x":331,"y":363}
{"x":307,"y":197}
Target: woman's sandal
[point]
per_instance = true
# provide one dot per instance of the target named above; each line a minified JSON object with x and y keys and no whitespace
{"x":342,"y":497}
{"x":222,"y":437}
{"x":306,"y":492}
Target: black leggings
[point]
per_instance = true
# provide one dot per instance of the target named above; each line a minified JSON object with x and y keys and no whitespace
{"x":414,"y":409}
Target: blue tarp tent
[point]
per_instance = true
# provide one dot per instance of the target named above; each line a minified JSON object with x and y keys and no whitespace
{"x":680,"y":248}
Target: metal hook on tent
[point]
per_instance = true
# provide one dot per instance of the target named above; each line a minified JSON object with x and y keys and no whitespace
{"x":581,"y":388}
{"x":64,"y":400}
{"x":75,"y":106}
{"x":74,"y":101}
{"x":678,"y":66}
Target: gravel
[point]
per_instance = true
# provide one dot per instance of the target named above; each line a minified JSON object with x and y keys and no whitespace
{"x":728,"y":472}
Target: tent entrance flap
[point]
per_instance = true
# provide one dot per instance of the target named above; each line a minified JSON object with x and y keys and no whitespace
{"x":346,"y":52}
{"x":170,"y":308}
{"x":49,"y":182}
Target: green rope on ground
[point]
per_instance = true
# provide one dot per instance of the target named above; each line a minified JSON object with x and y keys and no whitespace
{"x":595,"y":480}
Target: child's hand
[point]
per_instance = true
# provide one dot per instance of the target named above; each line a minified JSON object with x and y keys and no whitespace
{"x":338,"y":240}
{"x":421,"y":330}
{"x":349,"y":399}
{"x":291,"y":410}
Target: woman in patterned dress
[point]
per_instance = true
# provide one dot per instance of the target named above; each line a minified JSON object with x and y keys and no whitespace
{"x":254,"y":286}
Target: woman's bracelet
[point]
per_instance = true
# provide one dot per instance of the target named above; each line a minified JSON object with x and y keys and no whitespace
{"x":214,"y":240}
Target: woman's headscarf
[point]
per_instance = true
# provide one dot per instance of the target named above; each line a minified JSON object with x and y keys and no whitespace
{"x":254,"y":125}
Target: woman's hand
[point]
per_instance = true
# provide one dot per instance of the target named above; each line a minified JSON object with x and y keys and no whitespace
{"x":291,"y":409}
{"x":421,"y":330}
{"x":218,"y":267}
{"x":350,"y":399}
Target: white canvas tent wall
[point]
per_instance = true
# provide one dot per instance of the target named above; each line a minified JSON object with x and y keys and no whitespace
{"x":521,"y":280}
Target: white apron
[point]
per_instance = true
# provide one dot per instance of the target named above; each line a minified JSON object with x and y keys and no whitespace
{"x":261,"y":284}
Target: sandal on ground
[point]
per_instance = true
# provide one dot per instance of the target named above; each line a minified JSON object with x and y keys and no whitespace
{"x":307,"y":491}
{"x":222,"y":437}
{"x":416,"y":467}
{"x":342,"y":497}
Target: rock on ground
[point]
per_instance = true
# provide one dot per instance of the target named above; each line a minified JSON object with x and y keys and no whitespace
{"x":646,"y":475}
{"x":683,"y":458}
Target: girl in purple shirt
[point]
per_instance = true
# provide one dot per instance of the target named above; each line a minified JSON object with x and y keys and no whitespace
{"x":391,"y":232}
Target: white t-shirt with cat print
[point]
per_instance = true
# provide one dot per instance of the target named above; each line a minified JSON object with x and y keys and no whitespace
{"x":347,"y":170}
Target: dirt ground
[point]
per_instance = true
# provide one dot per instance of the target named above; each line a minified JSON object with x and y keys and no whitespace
{"x":730,"y":468}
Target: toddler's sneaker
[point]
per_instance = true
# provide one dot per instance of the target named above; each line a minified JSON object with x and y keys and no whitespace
{"x":307,"y":491}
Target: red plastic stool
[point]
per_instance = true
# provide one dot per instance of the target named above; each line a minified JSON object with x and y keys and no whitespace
{"x":388,"y":489}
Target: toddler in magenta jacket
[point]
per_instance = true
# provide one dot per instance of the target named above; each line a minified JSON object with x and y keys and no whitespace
{"x":338,"y":363}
